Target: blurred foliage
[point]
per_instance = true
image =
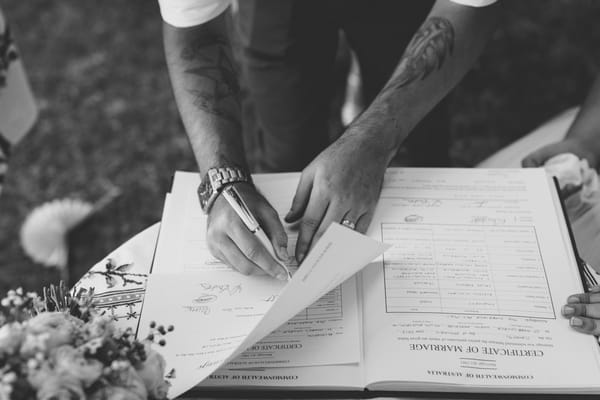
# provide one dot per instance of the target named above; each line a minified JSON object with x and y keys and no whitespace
{"x":108,"y":115}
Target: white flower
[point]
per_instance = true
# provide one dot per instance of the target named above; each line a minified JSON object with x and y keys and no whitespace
{"x":152,"y":372}
{"x":11,"y":337}
{"x":9,"y":378}
{"x":59,"y":326}
{"x":52,"y":384}
{"x":93,"y":345}
{"x":100,"y":327}
{"x":127,"y":378}
{"x":68,"y":360}
{"x":114,"y":393}
{"x":119,"y":365}
{"x":61,"y":387}
{"x":35,"y":344}
{"x":5,"y":391}
{"x":38,"y":373}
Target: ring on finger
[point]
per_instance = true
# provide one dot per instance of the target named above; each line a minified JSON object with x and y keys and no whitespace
{"x":349,"y":224}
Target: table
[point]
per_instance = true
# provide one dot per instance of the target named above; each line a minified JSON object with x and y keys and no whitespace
{"x":119,"y":279}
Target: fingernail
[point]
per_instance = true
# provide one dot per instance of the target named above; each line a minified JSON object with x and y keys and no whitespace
{"x":282,"y":276}
{"x":288,"y":215}
{"x":283,"y":254}
{"x":300,"y":257}
{"x":576,"y":322}
{"x":573,"y":299}
{"x":568,"y":311}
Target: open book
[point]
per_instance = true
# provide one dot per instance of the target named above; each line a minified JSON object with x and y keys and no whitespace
{"x":467,"y":299}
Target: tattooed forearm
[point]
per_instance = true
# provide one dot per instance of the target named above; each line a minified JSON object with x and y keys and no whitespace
{"x":426,"y":52}
{"x":217,"y":90}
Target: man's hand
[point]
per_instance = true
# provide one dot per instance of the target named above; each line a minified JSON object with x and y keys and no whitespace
{"x":231,"y":242}
{"x":584,"y":311}
{"x":569,"y":145}
{"x":342,"y":183}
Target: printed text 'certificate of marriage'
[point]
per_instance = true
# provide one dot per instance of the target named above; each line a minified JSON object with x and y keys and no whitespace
{"x":471,"y":290}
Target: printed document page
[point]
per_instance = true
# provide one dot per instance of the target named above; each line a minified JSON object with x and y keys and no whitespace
{"x":219,"y":314}
{"x":472,"y":288}
{"x":322,"y":377}
{"x":325,"y":377}
{"x":326,"y":332}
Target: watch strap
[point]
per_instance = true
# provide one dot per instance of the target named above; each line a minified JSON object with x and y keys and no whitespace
{"x":215,"y":180}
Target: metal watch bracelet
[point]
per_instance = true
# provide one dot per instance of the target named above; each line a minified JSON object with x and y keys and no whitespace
{"x":214,"y":182}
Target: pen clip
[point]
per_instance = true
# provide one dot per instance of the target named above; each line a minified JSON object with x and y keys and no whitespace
{"x":241,"y":208}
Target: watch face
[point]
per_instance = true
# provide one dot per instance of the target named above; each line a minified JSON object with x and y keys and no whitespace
{"x":204,"y":192}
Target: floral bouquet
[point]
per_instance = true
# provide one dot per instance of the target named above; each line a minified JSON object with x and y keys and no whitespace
{"x":59,"y":347}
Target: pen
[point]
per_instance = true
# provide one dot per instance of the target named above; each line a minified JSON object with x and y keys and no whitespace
{"x":238,"y":204}
{"x":585,"y":271}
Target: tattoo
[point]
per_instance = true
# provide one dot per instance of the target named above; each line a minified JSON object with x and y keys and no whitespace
{"x":219,"y":91}
{"x":8,"y":54}
{"x":426,"y":52}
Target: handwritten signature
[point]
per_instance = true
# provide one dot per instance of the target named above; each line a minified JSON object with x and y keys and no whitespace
{"x":271,"y":298}
{"x":226,"y":288}
{"x":205,"y":298}
{"x":413,"y":218}
{"x":485,"y":220}
{"x":426,"y":203}
{"x":197,"y":309}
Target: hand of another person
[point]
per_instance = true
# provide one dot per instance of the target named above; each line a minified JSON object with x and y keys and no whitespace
{"x":341,"y":183}
{"x":231,"y":241}
{"x":583,"y":311}
{"x":576,"y":146}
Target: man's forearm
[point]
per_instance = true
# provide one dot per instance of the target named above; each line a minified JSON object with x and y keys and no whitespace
{"x":207,"y":91}
{"x":586,"y":126}
{"x":438,"y":56}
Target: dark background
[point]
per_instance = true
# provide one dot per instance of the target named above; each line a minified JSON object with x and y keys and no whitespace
{"x":107,"y":114}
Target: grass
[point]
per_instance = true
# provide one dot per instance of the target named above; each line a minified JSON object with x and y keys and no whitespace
{"x":108,"y":115}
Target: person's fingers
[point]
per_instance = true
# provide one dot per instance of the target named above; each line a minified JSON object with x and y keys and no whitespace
{"x":254,"y":252}
{"x":538,"y":157}
{"x":585,"y":325}
{"x":227,"y":251}
{"x":581,"y":310}
{"x":350,"y":219}
{"x":586,"y":298}
{"x":362,"y":224}
{"x":301,"y":198}
{"x":530,"y":161}
{"x":310,"y":222}
{"x":269,"y":221}
{"x":334,"y":213}
{"x":595,"y":289}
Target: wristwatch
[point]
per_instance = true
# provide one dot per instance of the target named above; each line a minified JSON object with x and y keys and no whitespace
{"x":215,"y":180}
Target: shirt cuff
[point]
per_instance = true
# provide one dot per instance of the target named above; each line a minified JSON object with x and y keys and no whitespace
{"x":189,"y":14}
{"x":474,"y":3}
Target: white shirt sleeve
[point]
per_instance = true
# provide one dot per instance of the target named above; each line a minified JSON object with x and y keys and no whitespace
{"x":474,"y":3}
{"x":186,"y":13}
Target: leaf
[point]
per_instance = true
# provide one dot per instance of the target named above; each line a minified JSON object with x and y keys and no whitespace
{"x":124,"y":267}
